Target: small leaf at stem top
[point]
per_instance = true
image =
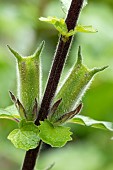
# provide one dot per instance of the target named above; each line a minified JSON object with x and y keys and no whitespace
{"x":61,"y":27}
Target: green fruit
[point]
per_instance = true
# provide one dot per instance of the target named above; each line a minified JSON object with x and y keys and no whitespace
{"x":29,"y":83}
{"x":74,"y":88}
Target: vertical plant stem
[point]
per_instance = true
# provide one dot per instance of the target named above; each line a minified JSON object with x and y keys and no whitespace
{"x":54,"y":77}
{"x":59,"y":60}
{"x":30,"y":157}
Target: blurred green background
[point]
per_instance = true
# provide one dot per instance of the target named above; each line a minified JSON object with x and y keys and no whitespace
{"x":91,"y":149}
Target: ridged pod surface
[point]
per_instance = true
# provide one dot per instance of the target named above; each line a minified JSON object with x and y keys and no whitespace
{"x":74,"y":88}
{"x":29,"y":83}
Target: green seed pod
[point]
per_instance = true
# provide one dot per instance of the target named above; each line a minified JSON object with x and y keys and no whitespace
{"x":29,"y":81}
{"x":74,"y":88}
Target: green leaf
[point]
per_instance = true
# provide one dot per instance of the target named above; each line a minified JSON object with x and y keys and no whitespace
{"x":13,"y":111}
{"x":9,"y":113}
{"x":59,"y":24}
{"x":56,"y":136}
{"x":26,"y":137}
{"x":87,"y":121}
{"x":86,"y":29}
{"x":81,"y":28}
{"x":65,"y":4}
{"x":5,"y":115}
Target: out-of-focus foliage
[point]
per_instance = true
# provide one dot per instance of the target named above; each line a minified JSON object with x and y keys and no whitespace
{"x":83,"y":155}
{"x":19,"y":27}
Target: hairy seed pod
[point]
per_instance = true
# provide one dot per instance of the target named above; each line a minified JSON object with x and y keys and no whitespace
{"x":74,"y":88}
{"x":29,"y":87}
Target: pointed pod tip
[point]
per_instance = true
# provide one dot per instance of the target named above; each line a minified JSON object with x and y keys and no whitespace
{"x":18,"y":57}
{"x":39,"y":50}
{"x":13,"y":98}
{"x":80,"y":106}
{"x":41,"y":45}
{"x":96,"y":70}
{"x":79,"y":60}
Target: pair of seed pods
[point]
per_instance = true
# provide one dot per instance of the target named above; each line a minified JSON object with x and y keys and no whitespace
{"x":67,"y":101}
